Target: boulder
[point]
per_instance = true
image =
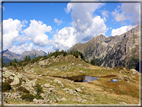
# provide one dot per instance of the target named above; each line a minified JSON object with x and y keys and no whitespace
{"x":20,"y":75}
{"x":47,"y":85}
{"x":78,"y":99}
{"x":39,"y":101}
{"x":68,"y":90}
{"x":15,"y":81}
{"x":11,"y":77}
{"x":134,"y":71}
{"x":7,"y":73}
{"x":78,"y":90}
{"x":63,"y":99}
{"x":40,"y":75}
{"x":57,"y":81}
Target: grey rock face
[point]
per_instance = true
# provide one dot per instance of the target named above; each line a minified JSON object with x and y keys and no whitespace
{"x":122,"y":50}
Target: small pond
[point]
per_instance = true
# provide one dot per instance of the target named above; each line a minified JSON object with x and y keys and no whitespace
{"x":80,"y":78}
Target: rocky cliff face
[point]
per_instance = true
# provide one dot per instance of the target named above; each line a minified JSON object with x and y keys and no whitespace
{"x":122,"y":50}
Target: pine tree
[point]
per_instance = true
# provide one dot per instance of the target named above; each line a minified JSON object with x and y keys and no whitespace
{"x":98,"y":64}
{"x":20,"y":62}
{"x":25,"y":59}
{"x":28,"y":59}
{"x":8,"y":64}
{"x":4,"y":65}
{"x":15,"y":61}
{"x":93,"y":61}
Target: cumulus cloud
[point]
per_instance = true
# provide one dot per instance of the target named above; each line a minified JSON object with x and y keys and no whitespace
{"x":82,"y":14}
{"x":105,"y":13}
{"x":57,"y":21}
{"x":64,"y":39}
{"x":121,"y":30}
{"x":130,"y":11}
{"x":11,"y":29}
{"x":21,"y":48}
{"x":84,"y":26}
{"x":69,"y":36}
{"x":36,"y":32}
{"x":98,"y":27}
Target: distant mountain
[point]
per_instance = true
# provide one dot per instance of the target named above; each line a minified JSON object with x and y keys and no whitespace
{"x":32,"y":54}
{"x":10,"y":56}
{"x":122,"y":50}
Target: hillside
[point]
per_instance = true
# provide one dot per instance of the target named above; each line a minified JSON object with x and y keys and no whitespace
{"x":61,"y":79}
{"x":113,"y":51}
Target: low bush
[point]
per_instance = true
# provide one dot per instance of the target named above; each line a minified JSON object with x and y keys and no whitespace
{"x":6,"y":86}
{"x":27,"y":97}
{"x":23,"y":89}
{"x":38,"y":89}
{"x":37,"y":96}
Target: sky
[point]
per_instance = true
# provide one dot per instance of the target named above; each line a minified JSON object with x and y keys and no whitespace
{"x":51,"y":26}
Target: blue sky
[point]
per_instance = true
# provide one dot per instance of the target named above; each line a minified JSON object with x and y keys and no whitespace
{"x":51,"y":26}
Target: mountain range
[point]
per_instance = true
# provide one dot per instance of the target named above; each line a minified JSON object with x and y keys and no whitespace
{"x":119,"y":50}
{"x":10,"y":56}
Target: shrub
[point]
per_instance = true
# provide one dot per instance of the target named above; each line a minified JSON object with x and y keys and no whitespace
{"x":27,"y":97}
{"x":6,"y":86}
{"x":10,"y":80}
{"x":37,"y":96}
{"x":98,"y":64}
{"x":38,"y":89}
{"x":93,"y":62}
{"x":25,"y":63}
{"x":23,"y":89}
{"x":13,"y":64}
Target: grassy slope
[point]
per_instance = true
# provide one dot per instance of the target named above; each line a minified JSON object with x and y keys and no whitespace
{"x":100,"y":91}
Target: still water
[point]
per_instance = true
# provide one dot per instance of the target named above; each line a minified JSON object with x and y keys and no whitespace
{"x":80,"y":78}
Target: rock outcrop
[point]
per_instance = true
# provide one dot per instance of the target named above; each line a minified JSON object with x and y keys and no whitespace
{"x":122,"y":50}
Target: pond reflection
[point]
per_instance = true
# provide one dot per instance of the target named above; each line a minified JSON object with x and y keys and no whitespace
{"x":80,"y":78}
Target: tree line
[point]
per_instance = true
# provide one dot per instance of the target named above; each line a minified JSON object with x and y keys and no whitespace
{"x":27,"y":59}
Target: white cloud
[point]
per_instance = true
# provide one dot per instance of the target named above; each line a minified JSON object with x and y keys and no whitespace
{"x":82,"y":14}
{"x":11,"y":29}
{"x":98,"y":27}
{"x":83,"y":21}
{"x":84,"y":26}
{"x":69,"y":36}
{"x":21,"y":48}
{"x":130,"y":11}
{"x":64,"y":39}
{"x":121,"y":30}
{"x":105,"y":13}
{"x":36,"y":32}
{"x":57,"y":21}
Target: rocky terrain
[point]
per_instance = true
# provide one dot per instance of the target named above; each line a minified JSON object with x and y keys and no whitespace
{"x":56,"y":78}
{"x":119,"y":50}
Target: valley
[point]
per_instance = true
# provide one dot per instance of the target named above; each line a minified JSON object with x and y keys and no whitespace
{"x":53,"y":74}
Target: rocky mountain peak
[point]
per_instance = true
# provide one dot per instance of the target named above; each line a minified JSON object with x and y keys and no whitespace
{"x":121,"y":50}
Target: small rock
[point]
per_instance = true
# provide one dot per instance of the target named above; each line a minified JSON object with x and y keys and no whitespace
{"x":122,"y":103}
{"x":47,"y":85}
{"x":40,"y":75}
{"x":63,"y":99}
{"x":78,"y":90}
